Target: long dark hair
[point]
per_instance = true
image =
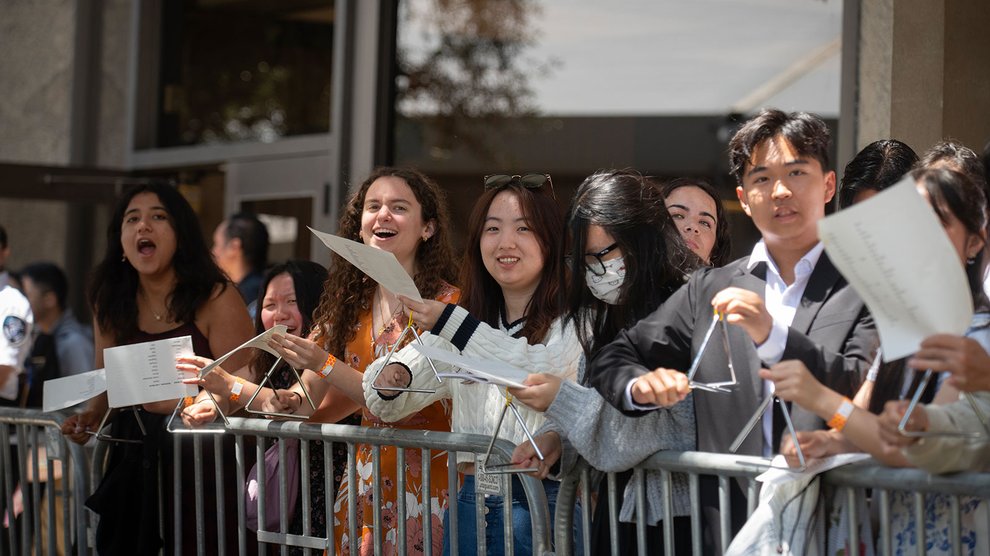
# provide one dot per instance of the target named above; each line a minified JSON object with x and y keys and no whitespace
{"x":480,"y":293}
{"x":307,"y":281}
{"x":113,"y":287}
{"x":721,"y":250}
{"x":347,"y":292}
{"x":952,"y":193}
{"x":631,"y":209}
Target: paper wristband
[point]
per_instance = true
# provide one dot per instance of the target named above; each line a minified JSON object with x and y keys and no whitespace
{"x":838,"y":421}
{"x":328,"y":366}
{"x":235,"y":390}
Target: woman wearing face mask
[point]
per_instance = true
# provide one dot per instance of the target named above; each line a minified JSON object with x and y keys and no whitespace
{"x":510,"y":310}
{"x":633,"y":259}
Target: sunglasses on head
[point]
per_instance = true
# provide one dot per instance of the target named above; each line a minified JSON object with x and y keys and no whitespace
{"x":529,"y":181}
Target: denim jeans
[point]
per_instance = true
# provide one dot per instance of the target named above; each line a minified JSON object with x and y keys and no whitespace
{"x":522,"y":533}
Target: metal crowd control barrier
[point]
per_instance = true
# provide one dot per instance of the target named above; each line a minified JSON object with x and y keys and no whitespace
{"x":855,"y":482}
{"x":50,"y":475}
{"x":695,"y":464}
{"x":244,"y":429}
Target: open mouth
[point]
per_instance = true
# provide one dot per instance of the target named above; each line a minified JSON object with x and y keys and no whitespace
{"x":508,"y":260}
{"x":383,"y":233}
{"x":145,"y":246}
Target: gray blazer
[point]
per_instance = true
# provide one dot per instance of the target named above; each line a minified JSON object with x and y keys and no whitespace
{"x":832,"y":333}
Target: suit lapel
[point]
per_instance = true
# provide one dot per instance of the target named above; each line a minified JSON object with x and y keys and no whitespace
{"x":746,"y":360}
{"x":823,"y":279}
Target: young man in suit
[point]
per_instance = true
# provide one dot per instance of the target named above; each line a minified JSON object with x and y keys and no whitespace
{"x":785,"y":301}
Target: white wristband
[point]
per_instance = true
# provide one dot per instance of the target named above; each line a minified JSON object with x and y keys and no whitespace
{"x":235,"y":390}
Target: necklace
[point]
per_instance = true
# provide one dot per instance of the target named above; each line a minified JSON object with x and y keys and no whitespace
{"x":158,"y":316}
{"x":386,"y":324}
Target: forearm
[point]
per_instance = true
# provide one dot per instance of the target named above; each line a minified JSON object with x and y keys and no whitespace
{"x":861,"y":429}
{"x":611,"y":441}
{"x":6,"y":373}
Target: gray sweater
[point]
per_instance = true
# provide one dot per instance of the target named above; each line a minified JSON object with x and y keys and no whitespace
{"x":610,"y":441}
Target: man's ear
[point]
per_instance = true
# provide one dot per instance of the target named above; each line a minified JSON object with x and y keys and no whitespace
{"x":829,"y":186}
{"x":741,"y":195}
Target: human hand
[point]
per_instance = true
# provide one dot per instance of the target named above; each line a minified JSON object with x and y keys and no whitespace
{"x":746,"y":309}
{"x":794,"y":383}
{"x":299,"y":352}
{"x":424,"y":314}
{"x":217,"y":381}
{"x":662,"y":387}
{"x":890,"y":419}
{"x":199,"y":413}
{"x":541,"y":389}
{"x":81,"y":426}
{"x":964,"y":357}
{"x":282,"y":401}
{"x":393,"y":375}
{"x":814,"y":444}
{"x":524,"y":456}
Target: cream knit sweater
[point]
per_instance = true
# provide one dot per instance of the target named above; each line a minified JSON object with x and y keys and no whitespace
{"x":476,"y":407}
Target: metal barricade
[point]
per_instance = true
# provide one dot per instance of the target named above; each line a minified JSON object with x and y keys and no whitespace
{"x":865,"y":481}
{"x":724,"y":467}
{"x":855,"y":481}
{"x":243,"y":432}
{"x":51,"y":476}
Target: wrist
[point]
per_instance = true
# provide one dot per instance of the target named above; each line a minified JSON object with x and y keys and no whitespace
{"x":841,"y":414}
{"x":298,"y":397}
{"x":235,"y":389}
{"x":328,"y":366}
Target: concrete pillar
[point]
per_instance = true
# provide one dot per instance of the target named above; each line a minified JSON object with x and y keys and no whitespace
{"x":923,"y":72}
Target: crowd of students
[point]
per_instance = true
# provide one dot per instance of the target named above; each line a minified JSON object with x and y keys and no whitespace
{"x":606,"y":306}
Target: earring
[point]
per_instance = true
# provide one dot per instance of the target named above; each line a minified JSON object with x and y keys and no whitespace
{"x":425,"y":238}
{"x":123,"y":258}
{"x":971,"y":260}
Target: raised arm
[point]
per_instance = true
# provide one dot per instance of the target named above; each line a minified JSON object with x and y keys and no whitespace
{"x":407,"y":369}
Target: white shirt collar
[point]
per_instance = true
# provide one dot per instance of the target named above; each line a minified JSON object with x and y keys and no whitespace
{"x":803,"y":267}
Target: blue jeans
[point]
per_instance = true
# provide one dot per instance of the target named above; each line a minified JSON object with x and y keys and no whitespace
{"x":522,"y":531}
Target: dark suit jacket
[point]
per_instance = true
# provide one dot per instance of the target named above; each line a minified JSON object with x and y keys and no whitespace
{"x":832,"y":333}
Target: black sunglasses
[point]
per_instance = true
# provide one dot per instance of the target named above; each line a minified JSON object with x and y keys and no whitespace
{"x":593,"y":261}
{"x":529,"y":181}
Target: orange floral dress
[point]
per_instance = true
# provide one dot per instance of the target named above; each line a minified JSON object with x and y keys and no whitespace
{"x":359,"y":353}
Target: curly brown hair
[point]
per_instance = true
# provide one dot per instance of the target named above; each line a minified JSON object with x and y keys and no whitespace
{"x":348,"y":292}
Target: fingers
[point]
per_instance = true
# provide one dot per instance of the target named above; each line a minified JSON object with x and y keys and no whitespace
{"x":536,"y":378}
{"x":662,"y":387}
{"x":746,"y":309}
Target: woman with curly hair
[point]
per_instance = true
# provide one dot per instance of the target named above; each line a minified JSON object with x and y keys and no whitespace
{"x":403,"y":212}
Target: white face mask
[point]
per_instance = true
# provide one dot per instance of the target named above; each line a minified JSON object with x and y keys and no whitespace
{"x":607,"y":286}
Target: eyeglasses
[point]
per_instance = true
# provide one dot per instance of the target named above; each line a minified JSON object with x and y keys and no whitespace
{"x":529,"y":181}
{"x":594,"y":261}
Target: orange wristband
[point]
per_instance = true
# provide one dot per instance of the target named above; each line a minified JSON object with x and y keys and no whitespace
{"x":188,"y":401}
{"x":235,"y":390}
{"x":838,"y":420}
{"x":328,"y":366}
